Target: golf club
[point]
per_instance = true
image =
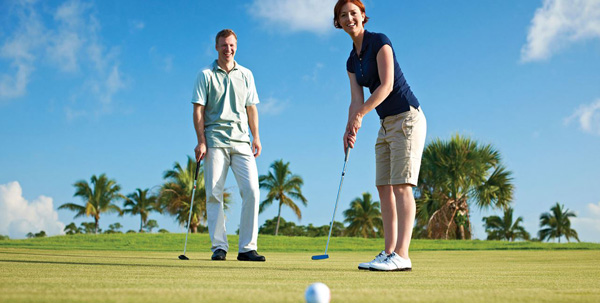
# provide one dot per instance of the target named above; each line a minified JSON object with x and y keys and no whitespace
{"x":325,"y":255}
{"x":183,"y":257}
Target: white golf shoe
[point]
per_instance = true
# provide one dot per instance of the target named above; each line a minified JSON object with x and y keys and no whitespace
{"x":379,"y":258}
{"x":392,"y":262}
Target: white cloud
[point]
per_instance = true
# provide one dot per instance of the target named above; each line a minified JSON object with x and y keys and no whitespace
{"x":295,"y":15}
{"x":136,"y":25}
{"x":314,"y":76}
{"x":71,"y":35}
{"x":18,"y":49}
{"x":72,"y":114}
{"x":594,"y":209}
{"x":271,"y":106}
{"x":19,"y":217}
{"x":588,"y":116}
{"x":559,"y":23}
{"x":69,"y":42}
{"x":588,"y":228}
{"x":165,"y":62}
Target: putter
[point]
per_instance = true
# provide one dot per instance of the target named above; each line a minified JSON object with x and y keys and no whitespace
{"x":325,"y":255}
{"x":183,"y":257}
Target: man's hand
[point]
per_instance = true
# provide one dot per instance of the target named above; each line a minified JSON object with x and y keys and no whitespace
{"x":200,"y":151}
{"x":256,"y":147}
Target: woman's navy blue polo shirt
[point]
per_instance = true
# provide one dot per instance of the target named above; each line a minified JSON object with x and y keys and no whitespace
{"x":367,"y":74}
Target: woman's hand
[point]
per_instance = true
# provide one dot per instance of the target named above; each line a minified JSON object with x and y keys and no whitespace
{"x":354,"y":124}
{"x":349,"y":140}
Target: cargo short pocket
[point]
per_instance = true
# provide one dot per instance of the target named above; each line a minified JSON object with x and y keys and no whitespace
{"x":408,"y":124}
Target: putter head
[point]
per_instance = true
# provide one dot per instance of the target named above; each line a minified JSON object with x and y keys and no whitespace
{"x":320,"y":257}
{"x":183,"y":257}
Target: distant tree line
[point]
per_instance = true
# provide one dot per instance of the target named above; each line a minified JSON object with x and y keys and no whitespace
{"x":102,"y":195}
{"x":291,"y":229}
{"x":456,"y":175}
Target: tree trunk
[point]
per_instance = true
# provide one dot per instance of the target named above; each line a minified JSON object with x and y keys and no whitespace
{"x":442,"y":221}
{"x":141,"y":225}
{"x":96,"y":219}
{"x":278,"y":217}
{"x":469,"y":222}
{"x":463,"y":211}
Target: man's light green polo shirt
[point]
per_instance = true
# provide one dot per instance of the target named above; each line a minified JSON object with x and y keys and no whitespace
{"x":225,"y":97}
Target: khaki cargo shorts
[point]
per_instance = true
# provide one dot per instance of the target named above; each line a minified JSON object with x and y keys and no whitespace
{"x":399,"y":148}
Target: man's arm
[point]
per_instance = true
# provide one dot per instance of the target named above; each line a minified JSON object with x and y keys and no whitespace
{"x":253,"y":122}
{"x":200,"y":149}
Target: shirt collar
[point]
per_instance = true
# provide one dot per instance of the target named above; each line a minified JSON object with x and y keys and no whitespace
{"x":366,"y":38}
{"x":216,"y":66}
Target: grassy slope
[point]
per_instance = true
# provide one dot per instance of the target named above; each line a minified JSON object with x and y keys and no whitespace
{"x":201,"y":242}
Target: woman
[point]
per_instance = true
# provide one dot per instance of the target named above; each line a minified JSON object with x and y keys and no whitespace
{"x":401,"y":139}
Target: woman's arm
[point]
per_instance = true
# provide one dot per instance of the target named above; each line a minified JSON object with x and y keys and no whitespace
{"x":357,"y":99}
{"x":385,"y":66}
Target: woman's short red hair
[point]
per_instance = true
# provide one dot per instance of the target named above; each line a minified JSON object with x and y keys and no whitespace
{"x":338,"y":8}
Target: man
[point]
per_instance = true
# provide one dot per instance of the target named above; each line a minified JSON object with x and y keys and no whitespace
{"x":225,"y":101}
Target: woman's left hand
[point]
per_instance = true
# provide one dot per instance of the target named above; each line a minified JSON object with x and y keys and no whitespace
{"x":355,"y":123}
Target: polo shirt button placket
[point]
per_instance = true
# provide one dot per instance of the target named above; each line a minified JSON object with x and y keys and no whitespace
{"x":360,"y":66}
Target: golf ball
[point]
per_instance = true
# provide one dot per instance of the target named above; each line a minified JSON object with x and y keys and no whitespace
{"x":317,"y":293}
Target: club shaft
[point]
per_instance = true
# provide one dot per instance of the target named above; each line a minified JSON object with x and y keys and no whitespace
{"x":337,"y":199}
{"x":191,"y":206}
{"x":190,"y":218}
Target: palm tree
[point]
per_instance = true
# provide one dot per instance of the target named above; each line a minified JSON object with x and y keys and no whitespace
{"x":558,"y":224}
{"x":455,"y":175}
{"x":141,"y":203}
{"x":97,"y":199}
{"x":364,"y":217}
{"x":72,"y":229}
{"x":151,"y":224}
{"x":283,"y":186}
{"x":504,"y":228}
{"x":176,"y":194}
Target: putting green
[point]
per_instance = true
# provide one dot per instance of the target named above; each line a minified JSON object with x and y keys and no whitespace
{"x":35,"y":275}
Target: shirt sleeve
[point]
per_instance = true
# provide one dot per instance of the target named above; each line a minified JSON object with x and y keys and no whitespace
{"x":349,"y":66}
{"x":252,"y":97}
{"x":200,"y":90}
{"x":379,"y":40}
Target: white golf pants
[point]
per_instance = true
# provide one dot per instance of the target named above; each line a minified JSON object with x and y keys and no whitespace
{"x":242,"y":163}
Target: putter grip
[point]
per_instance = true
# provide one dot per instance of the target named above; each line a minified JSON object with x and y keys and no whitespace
{"x":197,"y":169}
{"x":347,"y":152}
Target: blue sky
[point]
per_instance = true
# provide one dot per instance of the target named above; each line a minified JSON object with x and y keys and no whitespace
{"x":91,"y":87}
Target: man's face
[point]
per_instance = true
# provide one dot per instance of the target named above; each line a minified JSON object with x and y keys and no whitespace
{"x":226,"y":48}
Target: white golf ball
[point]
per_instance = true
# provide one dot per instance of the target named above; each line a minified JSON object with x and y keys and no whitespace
{"x":317,"y":293}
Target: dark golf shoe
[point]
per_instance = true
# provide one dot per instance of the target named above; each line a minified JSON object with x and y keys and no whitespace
{"x":250,"y":256}
{"x":219,"y":255}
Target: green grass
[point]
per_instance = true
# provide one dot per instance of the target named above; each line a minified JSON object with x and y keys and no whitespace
{"x":201,"y":242}
{"x":145,"y":268}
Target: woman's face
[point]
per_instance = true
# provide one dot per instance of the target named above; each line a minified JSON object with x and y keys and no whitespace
{"x":351,"y":18}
